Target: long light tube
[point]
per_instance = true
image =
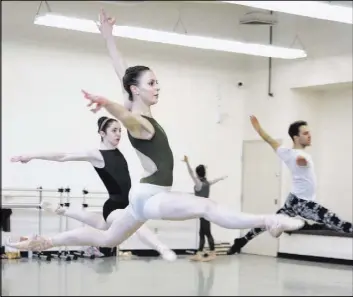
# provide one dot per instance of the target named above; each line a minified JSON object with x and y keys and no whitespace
{"x":208,"y":43}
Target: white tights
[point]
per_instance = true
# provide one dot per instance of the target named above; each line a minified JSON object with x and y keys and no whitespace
{"x":97,"y":221}
{"x":183,"y":206}
{"x":152,"y":202}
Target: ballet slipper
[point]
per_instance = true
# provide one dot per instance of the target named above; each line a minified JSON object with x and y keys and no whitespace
{"x":197,"y":257}
{"x":211,"y":256}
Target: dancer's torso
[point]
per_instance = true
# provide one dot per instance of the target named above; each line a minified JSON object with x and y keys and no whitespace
{"x":115,"y":176}
{"x":303,"y":177}
{"x":156,"y":156}
{"x":205,"y":189}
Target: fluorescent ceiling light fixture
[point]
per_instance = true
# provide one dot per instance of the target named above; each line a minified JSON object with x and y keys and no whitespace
{"x":311,"y":9}
{"x":84,"y":25}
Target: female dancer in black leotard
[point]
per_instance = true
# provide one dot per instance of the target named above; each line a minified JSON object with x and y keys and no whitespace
{"x":113,"y":170}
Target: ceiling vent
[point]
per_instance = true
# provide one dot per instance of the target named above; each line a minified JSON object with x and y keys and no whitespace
{"x":258,"y":18}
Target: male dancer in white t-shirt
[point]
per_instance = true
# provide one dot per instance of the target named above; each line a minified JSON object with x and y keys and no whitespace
{"x":301,"y":199}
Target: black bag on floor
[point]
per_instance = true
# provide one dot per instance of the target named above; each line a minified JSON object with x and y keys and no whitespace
{"x":108,"y":252}
{"x":5,"y":219}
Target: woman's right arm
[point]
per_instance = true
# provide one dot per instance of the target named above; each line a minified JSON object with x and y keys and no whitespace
{"x":86,"y":156}
{"x":137,"y":126}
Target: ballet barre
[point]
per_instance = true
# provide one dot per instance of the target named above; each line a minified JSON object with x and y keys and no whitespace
{"x":50,"y":197}
{"x":39,"y":189}
{"x":41,"y":194}
{"x":21,"y":205}
{"x":86,"y":192}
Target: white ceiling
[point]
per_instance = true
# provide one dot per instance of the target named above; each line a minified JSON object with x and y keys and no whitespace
{"x":319,"y":38}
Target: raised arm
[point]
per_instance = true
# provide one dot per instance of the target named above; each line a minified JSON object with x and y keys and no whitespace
{"x":138,"y":126}
{"x":197,"y":182}
{"x":216,"y":180}
{"x":91,"y":156}
{"x":272,"y":142}
{"x":105,"y":26}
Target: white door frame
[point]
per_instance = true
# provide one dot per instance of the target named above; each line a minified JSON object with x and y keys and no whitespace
{"x":242,"y":172}
{"x":274,"y":205}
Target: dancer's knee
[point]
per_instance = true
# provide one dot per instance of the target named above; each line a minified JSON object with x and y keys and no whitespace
{"x":121,"y":228}
{"x":102,"y":226}
{"x":110,"y":241}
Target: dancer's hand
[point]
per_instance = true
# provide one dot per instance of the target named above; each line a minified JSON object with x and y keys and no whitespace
{"x":105,"y":24}
{"x":255,"y":123}
{"x":22,"y":159}
{"x":98,"y":100}
{"x":186,"y":159}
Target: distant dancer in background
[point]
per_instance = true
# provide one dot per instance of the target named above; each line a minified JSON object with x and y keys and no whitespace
{"x":202,"y":189}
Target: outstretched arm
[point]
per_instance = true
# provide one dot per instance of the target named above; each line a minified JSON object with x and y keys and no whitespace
{"x":282,"y":152}
{"x":87,"y":156}
{"x":138,"y":126}
{"x":216,"y":180}
{"x":197,"y":182}
{"x":272,"y":142}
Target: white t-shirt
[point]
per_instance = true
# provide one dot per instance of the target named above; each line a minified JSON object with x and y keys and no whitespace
{"x":303,"y":177}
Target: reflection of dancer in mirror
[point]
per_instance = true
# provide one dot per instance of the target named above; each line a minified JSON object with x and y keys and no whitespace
{"x":205,"y":284}
{"x":301,"y":199}
{"x":152,"y":198}
{"x":202,"y":189}
{"x":112,"y":168}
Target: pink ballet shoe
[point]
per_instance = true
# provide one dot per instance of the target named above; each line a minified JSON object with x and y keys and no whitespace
{"x":36,"y":243}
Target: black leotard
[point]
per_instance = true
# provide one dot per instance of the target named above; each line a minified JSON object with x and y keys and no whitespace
{"x":115,"y":176}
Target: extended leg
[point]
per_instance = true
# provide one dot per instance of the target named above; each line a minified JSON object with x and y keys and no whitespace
{"x":239,"y":243}
{"x":121,"y":229}
{"x":183,"y":206}
{"x":313,"y":211}
{"x":149,"y":238}
{"x":89,"y":218}
{"x":96,"y":221}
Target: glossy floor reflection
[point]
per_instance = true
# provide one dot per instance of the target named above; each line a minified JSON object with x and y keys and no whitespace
{"x":226,"y":276}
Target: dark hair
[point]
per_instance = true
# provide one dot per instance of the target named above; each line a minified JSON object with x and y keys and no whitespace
{"x":104,"y":123}
{"x":131,"y":76}
{"x":201,"y":171}
{"x":294,"y":128}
